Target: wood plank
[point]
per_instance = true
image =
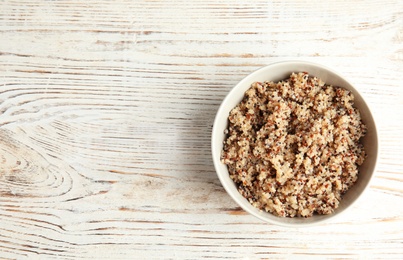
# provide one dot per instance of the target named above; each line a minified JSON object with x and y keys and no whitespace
{"x":106,"y":110}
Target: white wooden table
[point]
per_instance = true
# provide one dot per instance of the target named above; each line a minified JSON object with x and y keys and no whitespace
{"x":106,"y":109}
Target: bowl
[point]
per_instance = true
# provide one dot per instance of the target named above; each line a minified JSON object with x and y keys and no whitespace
{"x":275,"y":72}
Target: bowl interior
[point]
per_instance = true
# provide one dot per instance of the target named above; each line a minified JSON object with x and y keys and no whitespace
{"x":276,"y":72}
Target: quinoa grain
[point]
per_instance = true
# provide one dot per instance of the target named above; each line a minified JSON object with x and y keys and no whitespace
{"x":293,"y":147}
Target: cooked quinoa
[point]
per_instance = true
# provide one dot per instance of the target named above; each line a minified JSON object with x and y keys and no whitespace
{"x":293,"y":147}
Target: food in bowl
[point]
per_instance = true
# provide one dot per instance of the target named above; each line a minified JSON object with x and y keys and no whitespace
{"x":293,"y":147}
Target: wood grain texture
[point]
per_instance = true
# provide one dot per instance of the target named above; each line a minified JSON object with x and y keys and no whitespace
{"x":106,"y":109}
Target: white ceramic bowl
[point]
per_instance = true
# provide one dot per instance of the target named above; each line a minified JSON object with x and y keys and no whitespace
{"x":276,"y":72}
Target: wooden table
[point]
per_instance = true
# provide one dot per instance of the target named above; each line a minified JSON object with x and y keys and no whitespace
{"x":106,"y":114}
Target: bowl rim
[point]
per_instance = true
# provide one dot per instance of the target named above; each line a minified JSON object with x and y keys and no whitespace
{"x":241,"y":203}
